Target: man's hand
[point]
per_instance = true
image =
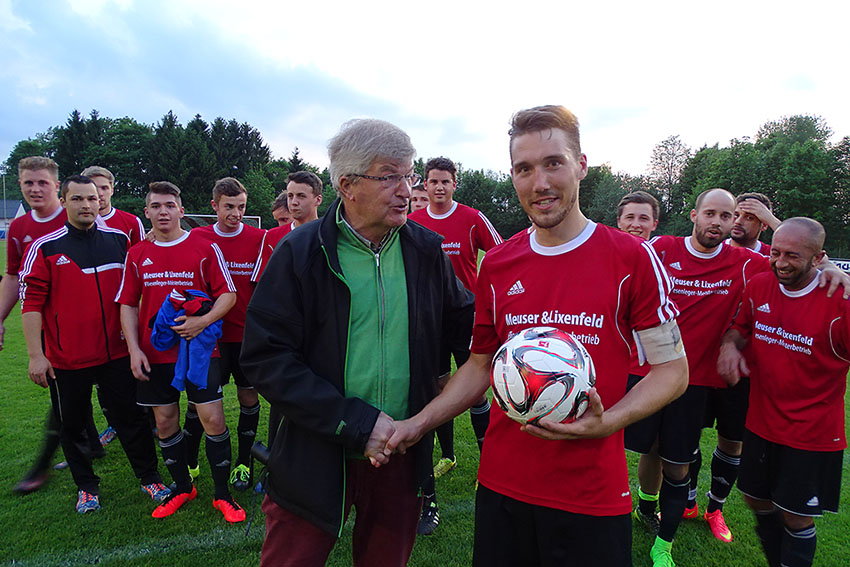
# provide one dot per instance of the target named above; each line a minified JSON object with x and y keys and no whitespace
{"x":40,"y":369}
{"x":376,"y":446}
{"x":731,"y":364}
{"x":407,"y":433}
{"x":139,"y":365}
{"x":760,"y":211}
{"x":591,"y":425}
{"x":832,"y":275}
{"x":191,"y":326}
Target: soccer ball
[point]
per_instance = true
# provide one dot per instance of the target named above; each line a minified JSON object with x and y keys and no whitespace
{"x":542,"y":372}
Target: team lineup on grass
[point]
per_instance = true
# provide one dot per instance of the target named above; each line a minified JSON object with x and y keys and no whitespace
{"x":595,"y":341}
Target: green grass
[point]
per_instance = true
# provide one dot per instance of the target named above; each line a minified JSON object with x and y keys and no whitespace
{"x":43,"y":528}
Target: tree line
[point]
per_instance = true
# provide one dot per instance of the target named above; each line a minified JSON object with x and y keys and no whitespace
{"x":791,"y":160}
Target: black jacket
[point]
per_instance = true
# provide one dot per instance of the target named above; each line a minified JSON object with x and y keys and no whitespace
{"x":293,"y":352}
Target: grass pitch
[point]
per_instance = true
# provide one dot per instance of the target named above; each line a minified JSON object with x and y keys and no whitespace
{"x":42,"y":529}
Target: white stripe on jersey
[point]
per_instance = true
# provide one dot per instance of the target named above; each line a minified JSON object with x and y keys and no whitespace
{"x":103,"y":268}
{"x":32,"y":251}
{"x":667,"y":310}
{"x":255,"y":275}
{"x":617,"y":312}
{"x":493,"y":232}
{"x":831,"y":342}
{"x":141,"y":228}
{"x":493,"y":295}
{"x":223,"y":265}
{"x":124,"y":277}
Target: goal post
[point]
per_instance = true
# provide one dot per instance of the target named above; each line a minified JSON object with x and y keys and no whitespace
{"x":190,"y":221}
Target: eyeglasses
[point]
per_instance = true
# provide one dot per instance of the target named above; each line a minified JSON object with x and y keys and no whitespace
{"x":394,"y":179}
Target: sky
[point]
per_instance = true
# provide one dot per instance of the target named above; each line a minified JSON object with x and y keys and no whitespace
{"x":450,"y":74}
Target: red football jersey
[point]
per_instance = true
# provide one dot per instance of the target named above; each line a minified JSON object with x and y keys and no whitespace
{"x":154,"y":269}
{"x":26,"y":228}
{"x":129,"y":224}
{"x":599,"y":286}
{"x":270,"y":240}
{"x":707,"y":290}
{"x":466,"y":231}
{"x":799,"y":355}
{"x":760,"y":247}
{"x":240,"y":251}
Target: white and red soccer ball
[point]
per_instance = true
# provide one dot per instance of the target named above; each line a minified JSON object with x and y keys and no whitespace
{"x":542,"y":372}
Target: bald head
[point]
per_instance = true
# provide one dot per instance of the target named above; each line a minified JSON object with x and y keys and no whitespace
{"x":808,"y":232}
{"x":796,"y":249}
{"x":716,"y":194}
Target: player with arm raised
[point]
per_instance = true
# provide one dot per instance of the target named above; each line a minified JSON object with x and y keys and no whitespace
{"x":798,"y":354}
{"x":558,"y":490}
{"x":240,"y":244}
{"x":155,"y":271}
{"x":753,"y":215}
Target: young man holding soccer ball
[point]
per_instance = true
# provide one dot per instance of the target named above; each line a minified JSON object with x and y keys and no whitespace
{"x":532,"y":506}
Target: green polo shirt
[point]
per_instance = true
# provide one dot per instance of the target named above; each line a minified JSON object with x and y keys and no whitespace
{"x":377,"y":358}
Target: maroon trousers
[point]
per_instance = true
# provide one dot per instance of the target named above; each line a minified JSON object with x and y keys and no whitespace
{"x":387,"y":512}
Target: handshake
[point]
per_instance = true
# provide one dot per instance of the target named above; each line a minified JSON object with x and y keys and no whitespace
{"x":389,"y":436}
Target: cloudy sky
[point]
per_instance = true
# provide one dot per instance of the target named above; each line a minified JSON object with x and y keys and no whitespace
{"x":449,"y":73}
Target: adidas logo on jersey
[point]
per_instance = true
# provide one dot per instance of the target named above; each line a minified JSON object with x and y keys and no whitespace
{"x":62,"y":260}
{"x":516,"y":288}
{"x":813,"y":501}
{"x":28,"y":238}
{"x":676,"y":266}
{"x":147,"y":262}
{"x":764,"y":308}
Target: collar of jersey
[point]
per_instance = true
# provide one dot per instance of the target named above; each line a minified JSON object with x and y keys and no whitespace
{"x":443,"y":216}
{"x":801,"y":292}
{"x":228,"y":234}
{"x":109,"y":215}
{"x":37,"y":218}
{"x":703,"y":255}
{"x":583,"y":236}
{"x":174,"y":242}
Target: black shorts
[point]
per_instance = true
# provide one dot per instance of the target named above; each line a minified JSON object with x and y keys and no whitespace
{"x":727,"y":407}
{"x":229,"y":365}
{"x":677,"y":427}
{"x":158,"y":391}
{"x":511,"y":533}
{"x":446,"y":353}
{"x":805,"y":483}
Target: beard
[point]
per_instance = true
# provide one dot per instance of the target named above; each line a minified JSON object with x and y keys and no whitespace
{"x":707,"y":241}
{"x":553,"y":218}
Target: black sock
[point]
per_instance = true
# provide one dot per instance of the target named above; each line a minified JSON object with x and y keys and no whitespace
{"x":446,"y":437}
{"x":429,"y":489}
{"x":218,"y":454}
{"x":249,"y":419}
{"x":194,"y":432}
{"x":479,"y":415}
{"x":672,"y":499}
{"x":174,"y":454}
{"x":770,"y":530}
{"x":798,"y":547}
{"x":724,"y":472}
{"x":694,"y":472}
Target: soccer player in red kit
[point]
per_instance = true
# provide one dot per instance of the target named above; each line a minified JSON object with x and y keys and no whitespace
{"x":38,"y":178}
{"x":465,"y":231}
{"x":177,"y":260}
{"x":240,"y":244}
{"x":530,"y":509}
{"x":418,"y":198}
{"x":280,"y":210}
{"x":797,"y":360}
{"x":753,"y":215}
{"x":127,"y":223}
{"x":303,"y":197}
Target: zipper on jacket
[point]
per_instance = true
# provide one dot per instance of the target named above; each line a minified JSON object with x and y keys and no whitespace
{"x":382,"y":308}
